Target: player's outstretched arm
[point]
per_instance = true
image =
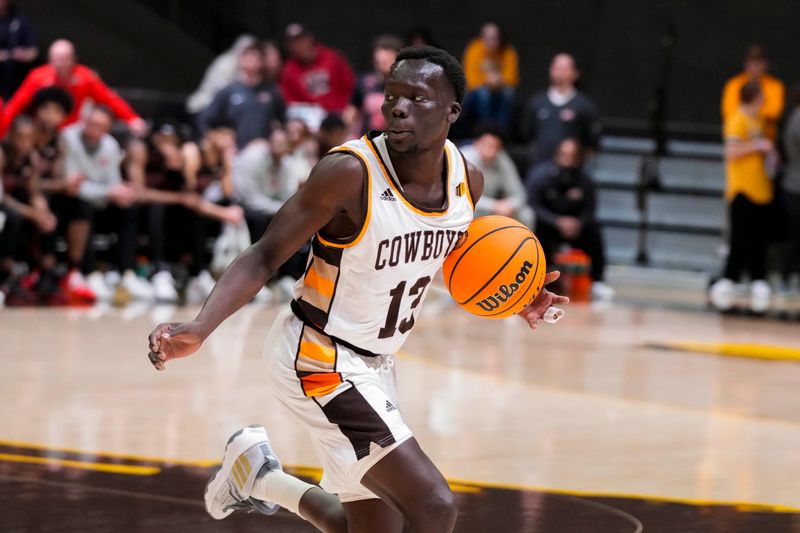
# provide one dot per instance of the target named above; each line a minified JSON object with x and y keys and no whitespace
{"x":334,"y":190}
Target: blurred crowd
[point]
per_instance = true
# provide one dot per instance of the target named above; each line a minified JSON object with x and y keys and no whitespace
{"x":98,"y":204}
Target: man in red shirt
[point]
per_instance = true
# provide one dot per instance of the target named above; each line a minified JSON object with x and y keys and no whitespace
{"x":315,"y":75}
{"x":79,"y":81}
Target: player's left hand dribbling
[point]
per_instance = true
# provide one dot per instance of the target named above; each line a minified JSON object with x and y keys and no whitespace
{"x":172,"y":341}
{"x":534,"y":311}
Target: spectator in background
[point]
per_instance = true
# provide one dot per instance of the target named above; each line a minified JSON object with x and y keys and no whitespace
{"x":364,"y":113}
{"x":791,"y":188}
{"x":273,"y":61}
{"x":49,"y":109}
{"x":169,"y":178}
{"x":332,"y":133}
{"x":17,"y":48}
{"x":29,"y":222}
{"x":252,"y":103}
{"x":219,"y":74}
{"x":503,"y":192}
{"x":561,"y":112}
{"x":265,"y":175}
{"x":749,"y":194}
{"x":105,"y":205}
{"x":564,"y":199}
{"x":756,"y":64}
{"x":302,"y":142}
{"x":316,"y":80}
{"x":79,"y":81}
{"x":491,"y":66}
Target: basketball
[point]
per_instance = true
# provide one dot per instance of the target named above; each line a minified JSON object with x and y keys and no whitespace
{"x":497,"y":270}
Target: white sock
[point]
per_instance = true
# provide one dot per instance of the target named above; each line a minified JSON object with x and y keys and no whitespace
{"x":279,"y":487}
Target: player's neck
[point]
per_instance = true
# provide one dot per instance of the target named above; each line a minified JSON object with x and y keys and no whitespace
{"x":423,"y":165}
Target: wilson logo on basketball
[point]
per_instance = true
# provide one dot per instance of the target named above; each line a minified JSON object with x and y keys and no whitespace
{"x":504,"y":292}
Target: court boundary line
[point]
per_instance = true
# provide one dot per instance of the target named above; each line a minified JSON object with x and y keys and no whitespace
{"x":520,"y":487}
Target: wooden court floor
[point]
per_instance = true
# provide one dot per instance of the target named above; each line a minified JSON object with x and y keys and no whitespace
{"x":586,"y":426}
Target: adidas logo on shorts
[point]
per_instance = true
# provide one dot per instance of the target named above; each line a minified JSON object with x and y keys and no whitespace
{"x":389,"y":406}
{"x":388,"y":196}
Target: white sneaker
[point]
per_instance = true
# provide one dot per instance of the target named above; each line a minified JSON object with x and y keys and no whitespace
{"x":760,"y":296}
{"x":248,"y":455}
{"x":602,"y":292}
{"x":722,"y":294}
{"x":112,"y":279}
{"x":164,"y":287}
{"x":199,"y":288}
{"x":97,"y":283}
{"x":138,"y":288}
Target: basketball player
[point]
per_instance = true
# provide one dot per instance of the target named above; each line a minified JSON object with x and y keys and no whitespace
{"x":382,"y":213}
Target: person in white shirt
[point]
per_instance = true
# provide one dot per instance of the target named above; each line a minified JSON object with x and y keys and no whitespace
{"x":105,"y":204}
{"x":503,"y":192}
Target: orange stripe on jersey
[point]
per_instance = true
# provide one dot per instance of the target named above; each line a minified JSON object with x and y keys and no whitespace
{"x":318,"y":352}
{"x":361,"y":233}
{"x":321,"y":384}
{"x":319,"y":282}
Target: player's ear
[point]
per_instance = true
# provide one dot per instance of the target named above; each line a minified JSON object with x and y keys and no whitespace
{"x":455,"y":112}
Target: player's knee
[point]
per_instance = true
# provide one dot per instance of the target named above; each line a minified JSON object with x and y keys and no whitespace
{"x":439,"y":507}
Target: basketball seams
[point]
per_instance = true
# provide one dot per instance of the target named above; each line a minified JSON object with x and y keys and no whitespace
{"x":499,"y":270}
{"x":479,"y":239}
{"x":535,"y":272}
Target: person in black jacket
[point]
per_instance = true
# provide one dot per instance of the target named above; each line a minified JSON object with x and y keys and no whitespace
{"x":564,"y":199}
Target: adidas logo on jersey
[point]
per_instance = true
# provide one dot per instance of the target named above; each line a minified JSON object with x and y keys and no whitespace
{"x":390,"y":407}
{"x":388,"y":196}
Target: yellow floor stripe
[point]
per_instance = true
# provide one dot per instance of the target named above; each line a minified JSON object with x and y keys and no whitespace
{"x":83,"y":465}
{"x":752,"y":351}
{"x":458,"y":485}
{"x":202,"y":463}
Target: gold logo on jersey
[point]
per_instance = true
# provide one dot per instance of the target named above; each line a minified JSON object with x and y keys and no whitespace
{"x":461,"y":189}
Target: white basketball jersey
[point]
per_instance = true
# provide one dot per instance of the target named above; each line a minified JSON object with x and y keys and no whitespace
{"x":367,"y":290}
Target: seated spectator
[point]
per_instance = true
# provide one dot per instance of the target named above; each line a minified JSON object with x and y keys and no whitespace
{"x":29,"y":232}
{"x":420,"y":36}
{"x":48,"y":109}
{"x":332,"y":133}
{"x":491,"y":67}
{"x":273,"y":61}
{"x":168,"y":177}
{"x":791,"y":189}
{"x":364,"y":113}
{"x":561,"y":112}
{"x":104,"y":205}
{"x":749,"y":194}
{"x":17,"y":48}
{"x":253,"y":104}
{"x":265,"y":175}
{"x":756,"y":65}
{"x":79,"y":81}
{"x":302,"y":142}
{"x":316,"y":80}
{"x":503,"y":192}
{"x":219,"y":74}
{"x":564,"y":198}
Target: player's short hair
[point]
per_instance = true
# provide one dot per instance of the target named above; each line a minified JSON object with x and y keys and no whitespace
{"x":47,"y":95}
{"x":450,"y":65}
{"x":99,"y":108}
{"x":749,"y":92}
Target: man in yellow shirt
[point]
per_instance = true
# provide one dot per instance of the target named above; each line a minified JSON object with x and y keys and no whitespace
{"x":749,"y":194}
{"x":756,"y":64}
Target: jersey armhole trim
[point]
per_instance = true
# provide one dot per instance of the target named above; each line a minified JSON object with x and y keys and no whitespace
{"x":470,"y":197}
{"x":349,"y":242}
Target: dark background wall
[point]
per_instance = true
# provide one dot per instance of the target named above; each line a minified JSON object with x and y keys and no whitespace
{"x":166,"y":44}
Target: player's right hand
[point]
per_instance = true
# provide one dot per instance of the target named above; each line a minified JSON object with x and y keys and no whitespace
{"x":173,"y":340}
